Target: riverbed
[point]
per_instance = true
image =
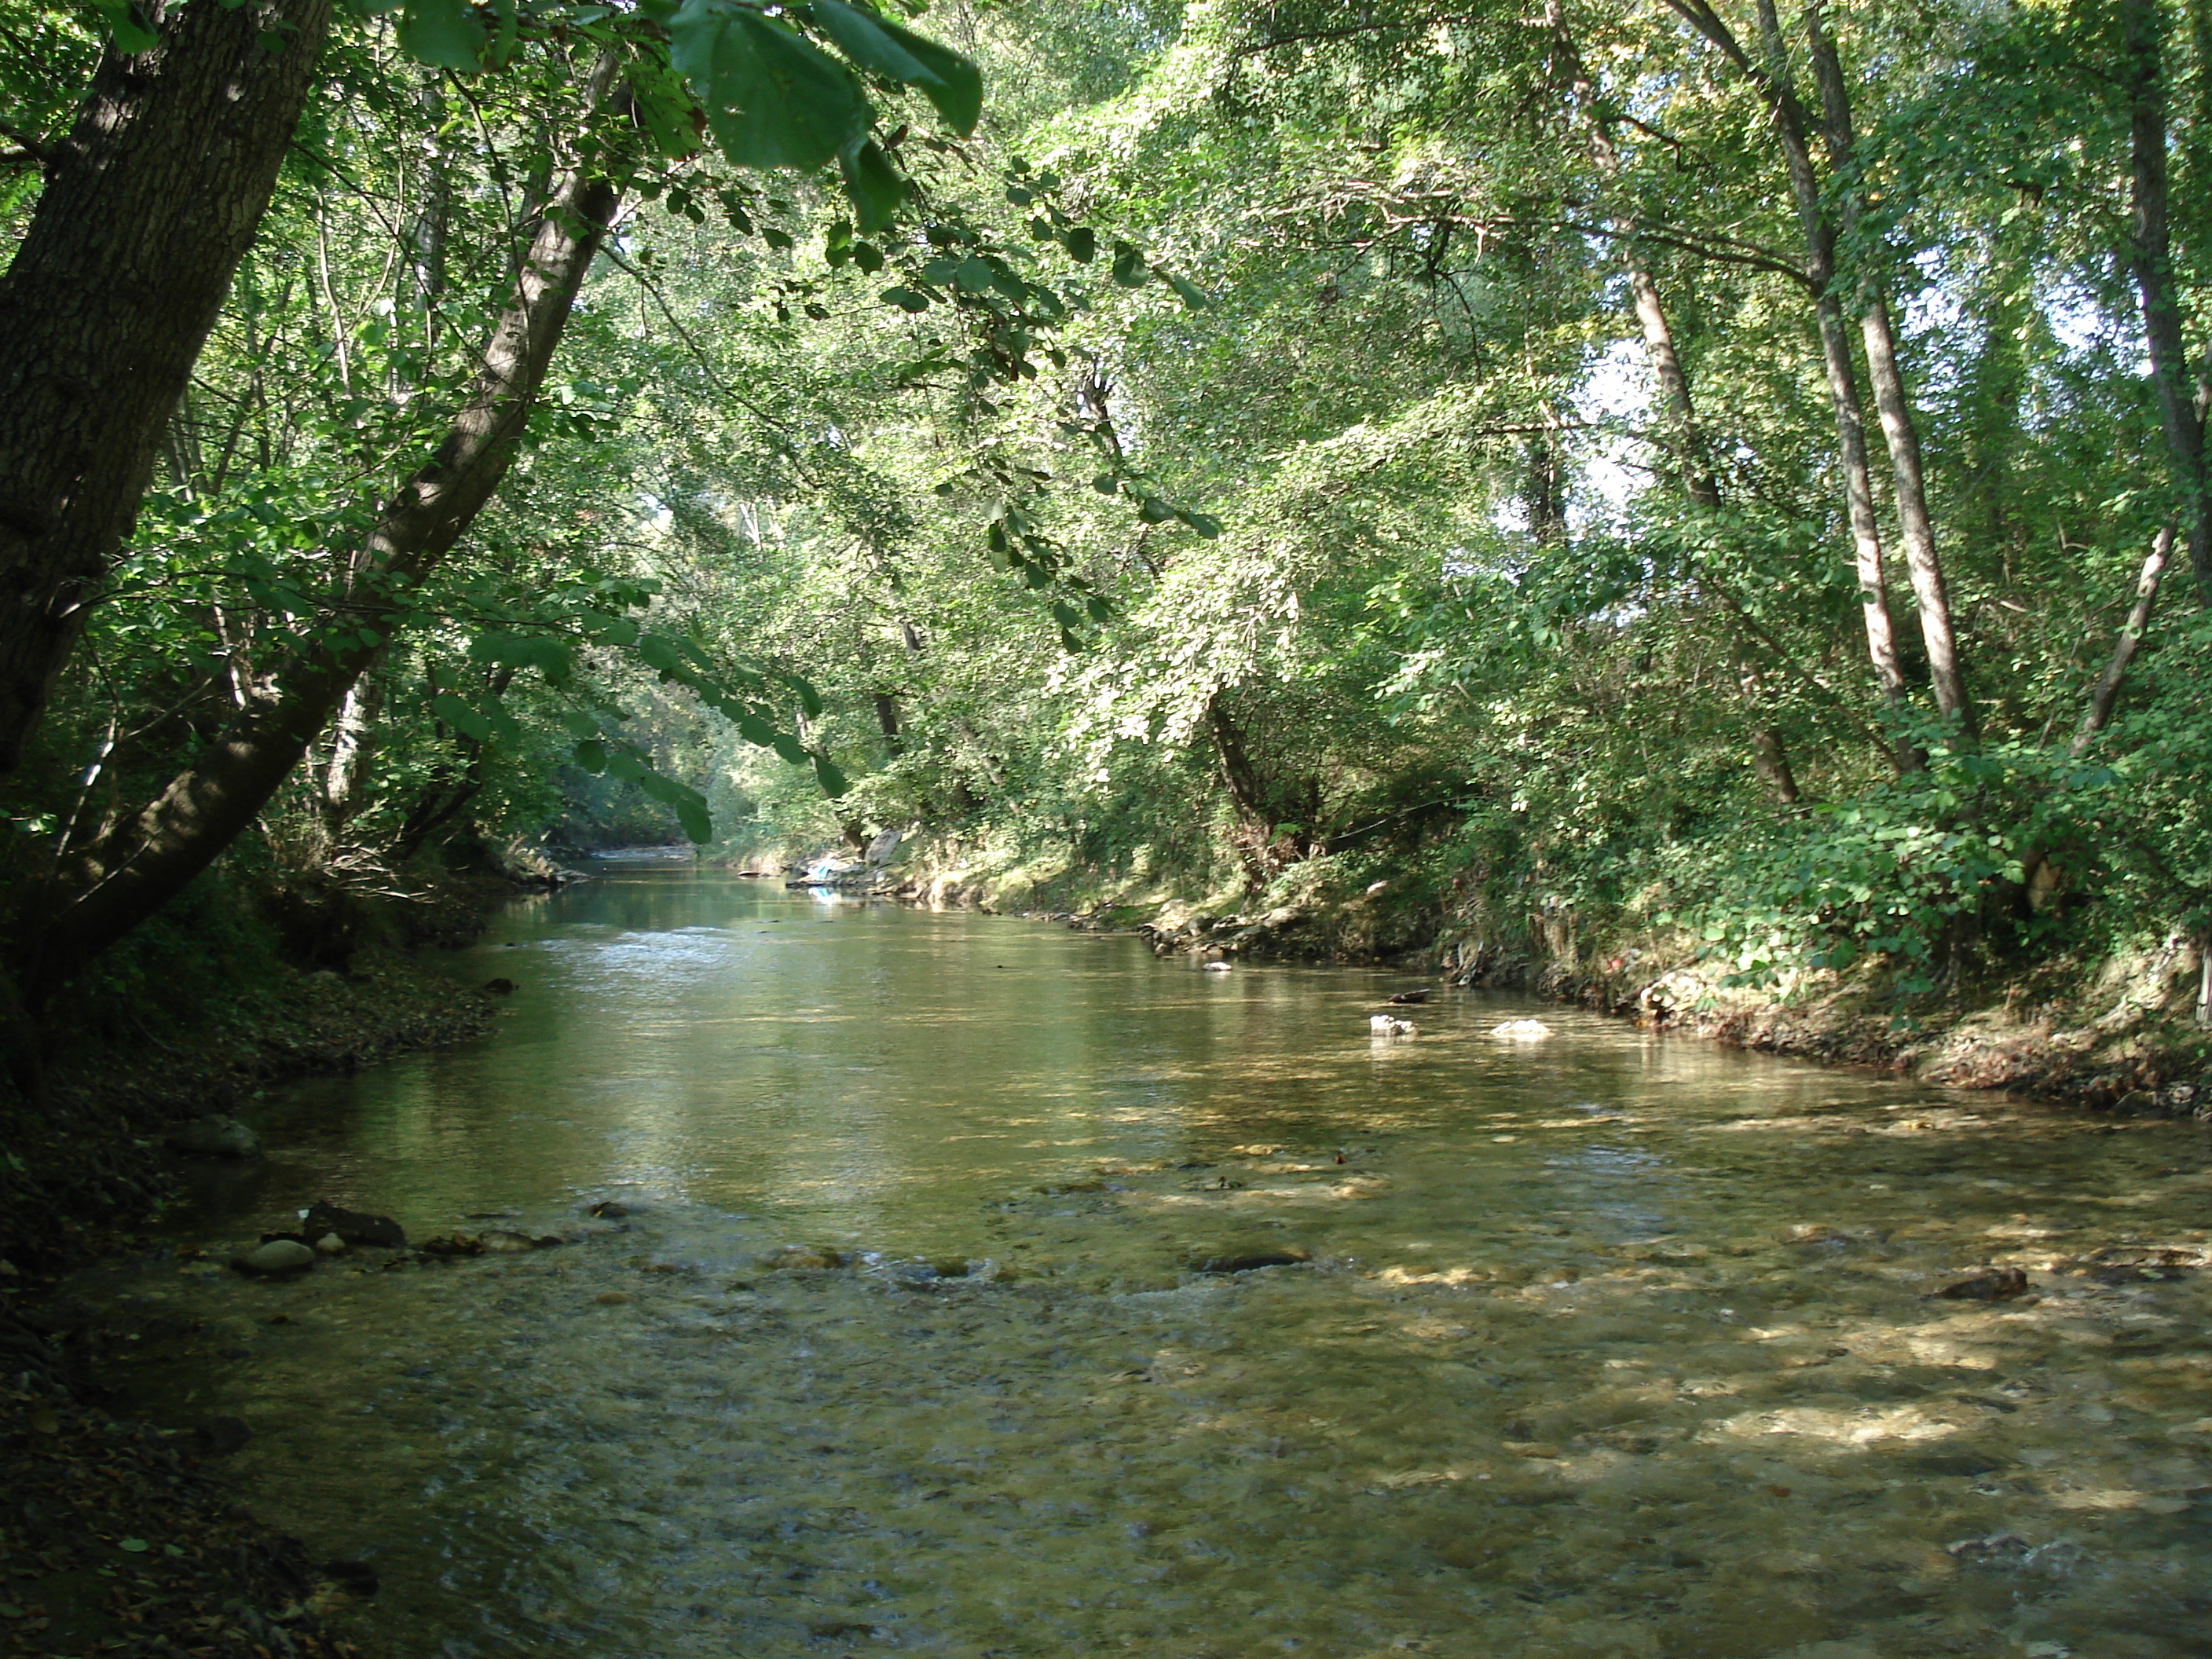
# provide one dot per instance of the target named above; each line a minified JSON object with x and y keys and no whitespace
{"x":895,"y":1334}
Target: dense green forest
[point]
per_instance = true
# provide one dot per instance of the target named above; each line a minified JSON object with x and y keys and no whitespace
{"x":1732,"y":470}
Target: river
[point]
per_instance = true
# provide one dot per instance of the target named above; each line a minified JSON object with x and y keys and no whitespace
{"x":1609,"y":1346}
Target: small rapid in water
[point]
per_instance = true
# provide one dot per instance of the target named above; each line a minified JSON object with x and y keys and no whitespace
{"x":1605,"y":1346}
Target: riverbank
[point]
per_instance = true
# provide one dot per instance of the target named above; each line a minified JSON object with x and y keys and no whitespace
{"x":2113,"y":1032}
{"x":115,"y":1537}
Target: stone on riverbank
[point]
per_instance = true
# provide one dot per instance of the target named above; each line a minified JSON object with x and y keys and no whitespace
{"x":353,"y":1227}
{"x":280,"y":1258}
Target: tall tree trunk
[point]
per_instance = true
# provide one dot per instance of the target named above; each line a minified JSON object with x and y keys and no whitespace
{"x":2107,"y":697}
{"x":2150,"y":254}
{"x":1917,"y":529}
{"x":146,"y":860}
{"x":149,"y":207}
{"x":1689,"y":460}
{"x":352,"y":744}
{"x":1792,"y":133}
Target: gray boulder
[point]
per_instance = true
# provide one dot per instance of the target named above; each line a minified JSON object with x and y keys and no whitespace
{"x":279,"y":1258}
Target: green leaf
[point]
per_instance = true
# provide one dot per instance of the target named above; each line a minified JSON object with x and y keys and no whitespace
{"x":626,"y":766}
{"x":698,"y":823}
{"x":1205,"y":523}
{"x":773,"y":100}
{"x":755,"y":730}
{"x":948,"y":80}
{"x":906,"y":299}
{"x":666,"y":109}
{"x":833,"y":780}
{"x":877,"y":188}
{"x":135,"y":1545}
{"x":788,"y":746}
{"x":443,"y":34}
{"x":129,"y":27}
{"x":1082,"y":244}
{"x":591,"y":756}
{"x":463,"y":718}
{"x":1153,"y":510}
{"x":1192,"y":295}
{"x":1129,"y":267}
{"x":655,"y":787}
{"x":659,"y":652}
{"x":1107,"y":484}
{"x":809,"y":698}
{"x":973,"y":274}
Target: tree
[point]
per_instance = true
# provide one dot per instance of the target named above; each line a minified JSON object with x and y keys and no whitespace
{"x":149,"y":204}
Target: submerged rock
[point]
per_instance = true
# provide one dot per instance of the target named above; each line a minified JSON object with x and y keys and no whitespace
{"x":608,"y":1210}
{"x":795,"y":1256}
{"x":1251,"y":1260}
{"x":1391,"y":1025}
{"x":1997,"y":1285}
{"x":499,"y":987}
{"x":278,"y":1258}
{"x":215,"y":1136}
{"x":358,"y":1577}
{"x":1406,"y":999}
{"x":330,"y":1244}
{"x":219,"y":1437}
{"x":1521,"y":1031}
{"x":352,"y":1226}
{"x":1214,"y":968}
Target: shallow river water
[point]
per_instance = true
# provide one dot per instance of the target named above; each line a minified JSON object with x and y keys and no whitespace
{"x":1610,"y":1347}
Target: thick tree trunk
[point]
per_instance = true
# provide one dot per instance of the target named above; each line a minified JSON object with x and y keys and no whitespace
{"x":1916,"y":526}
{"x":2151,"y":258}
{"x":145,"y":861}
{"x":149,"y":207}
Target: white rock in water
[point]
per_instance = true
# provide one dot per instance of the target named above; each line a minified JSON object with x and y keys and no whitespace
{"x":278,"y":1255}
{"x":1214,"y":968}
{"x":330,"y":1244}
{"x":1521,"y":1031}
{"x":1391,"y":1025}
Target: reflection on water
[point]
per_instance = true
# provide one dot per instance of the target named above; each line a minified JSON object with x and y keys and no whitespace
{"x":1609,"y":1345}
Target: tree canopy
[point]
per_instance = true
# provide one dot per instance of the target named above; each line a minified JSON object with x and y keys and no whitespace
{"x":1737,"y":466}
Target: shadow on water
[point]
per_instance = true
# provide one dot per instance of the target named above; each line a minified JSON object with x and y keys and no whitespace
{"x":1607,"y":1346}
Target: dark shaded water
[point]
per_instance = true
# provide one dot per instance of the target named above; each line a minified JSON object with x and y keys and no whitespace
{"x":1609,"y":1346}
